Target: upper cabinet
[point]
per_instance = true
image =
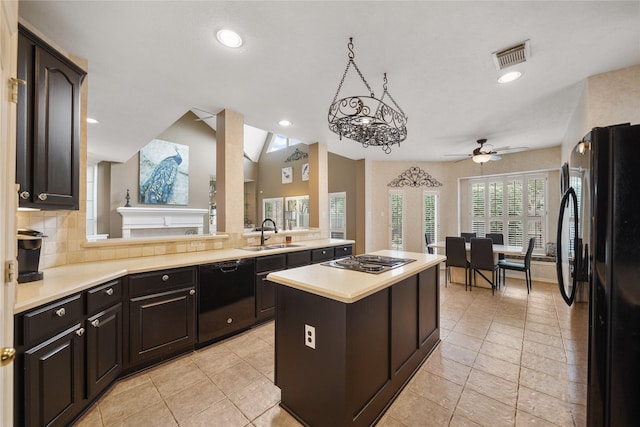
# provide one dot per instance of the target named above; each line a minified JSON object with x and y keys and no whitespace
{"x":48,"y":126}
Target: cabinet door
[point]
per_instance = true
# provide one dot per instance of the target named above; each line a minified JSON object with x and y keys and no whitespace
{"x":56,"y":133}
{"x":104,"y":348}
{"x":54,"y":379}
{"x":161,"y":324}
{"x":265,"y":297}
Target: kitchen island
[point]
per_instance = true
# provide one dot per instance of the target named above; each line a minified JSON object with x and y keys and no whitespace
{"x":348,"y":341}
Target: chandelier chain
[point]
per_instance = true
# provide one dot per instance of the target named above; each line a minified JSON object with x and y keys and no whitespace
{"x":351,"y":55}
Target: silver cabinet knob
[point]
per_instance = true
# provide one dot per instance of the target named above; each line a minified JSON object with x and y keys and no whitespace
{"x":109,"y":291}
{"x":95,"y":323}
{"x":61,"y":312}
{"x":192,"y":292}
{"x":229,"y":320}
{"x":80,"y":332}
{"x":24,"y":195}
{"x":42,"y":196}
{"x":165,"y":277}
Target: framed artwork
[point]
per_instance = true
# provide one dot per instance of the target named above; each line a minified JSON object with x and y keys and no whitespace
{"x":164,"y":173}
{"x":287,"y":175}
{"x":305,"y":172}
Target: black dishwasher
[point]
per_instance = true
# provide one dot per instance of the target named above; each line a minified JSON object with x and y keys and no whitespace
{"x":226,"y":300}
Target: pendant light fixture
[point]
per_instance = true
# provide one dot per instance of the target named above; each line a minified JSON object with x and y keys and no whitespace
{"x":366,"y":119}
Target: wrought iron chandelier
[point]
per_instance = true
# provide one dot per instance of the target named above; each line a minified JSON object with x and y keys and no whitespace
{"x":366,"y":119}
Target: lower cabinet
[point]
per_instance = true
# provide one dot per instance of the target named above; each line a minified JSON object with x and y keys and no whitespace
{"x":162,"y":315}
{"x":104,"y":349}
{"x":54,"y":379}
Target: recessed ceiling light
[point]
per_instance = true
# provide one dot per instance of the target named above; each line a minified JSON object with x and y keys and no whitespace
{"x":509,"y":77}
{"x":284,"y":123}
{"x":92,"y":121}
{"x":229,"y":38}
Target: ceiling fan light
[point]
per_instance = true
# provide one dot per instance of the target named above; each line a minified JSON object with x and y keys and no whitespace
{"x":481,"y":158}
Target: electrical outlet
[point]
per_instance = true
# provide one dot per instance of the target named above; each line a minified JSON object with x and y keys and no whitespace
{"x":310,"y":336}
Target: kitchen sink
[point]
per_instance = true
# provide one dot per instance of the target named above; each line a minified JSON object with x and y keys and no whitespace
{"x":273,"y":246}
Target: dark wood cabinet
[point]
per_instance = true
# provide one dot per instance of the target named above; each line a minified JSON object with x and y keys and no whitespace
{"x":48,"y":126}
{"x":265,"y":289}
{"x":69,"y":351}
{"x":104,"y":349}
{"x":162,"y":315}
{"x":54,"y":380}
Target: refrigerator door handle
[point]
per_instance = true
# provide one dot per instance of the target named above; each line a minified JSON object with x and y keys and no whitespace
{"x":569,"y":299}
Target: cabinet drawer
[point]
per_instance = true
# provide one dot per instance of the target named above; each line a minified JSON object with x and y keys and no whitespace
{"x":159,"y":281}
{"x":271,"y":263}
{"x":296,"y":259}
{"x":319,"y":255}
{"x":342,"y":251}
{"x":104,"y":296}
{"x":52,"y":318}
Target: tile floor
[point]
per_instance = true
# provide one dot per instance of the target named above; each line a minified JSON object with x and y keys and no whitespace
{"x":504,"y":360}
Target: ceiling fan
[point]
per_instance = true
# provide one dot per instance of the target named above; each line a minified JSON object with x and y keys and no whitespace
{"x":484,"y":154}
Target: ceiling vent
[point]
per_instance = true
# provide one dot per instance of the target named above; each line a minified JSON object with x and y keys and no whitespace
{"x":511,"y":56}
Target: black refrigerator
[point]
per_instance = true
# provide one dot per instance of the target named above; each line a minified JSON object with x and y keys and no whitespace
{"x":598,"y":244}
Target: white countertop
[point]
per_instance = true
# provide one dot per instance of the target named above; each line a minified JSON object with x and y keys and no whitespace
{"x":349,"y":286}
{"x":66,"y":280}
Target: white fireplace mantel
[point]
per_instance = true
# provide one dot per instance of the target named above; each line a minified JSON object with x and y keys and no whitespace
{"x":151,"y":221}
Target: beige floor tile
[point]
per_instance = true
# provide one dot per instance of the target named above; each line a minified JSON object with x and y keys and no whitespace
{"x":504,"y":339}
{"x":484,"y":410}
{"x":92,"y":418}
{"x":545,"y":329}
{"x":466,"y":341}
{"x":223,"y":413}
{"x":494,"y":387}
{"x":506,"y":329}
{"x":544,"y":406}
{"x":194,"y":399}
{"x":435,"y":388}
{"x":498,"y":367}
{"x":176,"y":376}
{"x":235,"y":378}
{"x":541,"y":338}
{"x":122,"y":405}
{"x":256,"y":398}
{"x":263,"y":360}
{"x":277,"y":417}
{"x":157,"y":415}
{"x":389,"y":421}
{"x":412,"y":410}
{"x":501,"y":352}
{"x":457,"y":353}
{"x":459,"y":421}
{"x":215,"y":360}
{"x":451,"y":370}
{"x":524,"y":419}
{"x":544,"y":350}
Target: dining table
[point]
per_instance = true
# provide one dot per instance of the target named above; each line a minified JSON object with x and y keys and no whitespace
{"x":457,"y":273}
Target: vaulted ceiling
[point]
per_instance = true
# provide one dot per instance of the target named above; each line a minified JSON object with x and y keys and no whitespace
{"x":151,"y":61}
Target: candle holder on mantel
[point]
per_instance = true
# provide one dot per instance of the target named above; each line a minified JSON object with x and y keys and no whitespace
{"x":127,"y":198}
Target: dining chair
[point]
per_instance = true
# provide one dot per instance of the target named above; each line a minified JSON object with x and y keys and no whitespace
{"x":517,"y":266}
{"x":498,"y":239}
{"x":427,"y":241}
{"x":456,"y":253}
{"x":482,"y":259}
{"x":467,"y":236}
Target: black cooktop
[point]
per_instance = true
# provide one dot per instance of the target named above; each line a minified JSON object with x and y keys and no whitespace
{"x":375,"y":264}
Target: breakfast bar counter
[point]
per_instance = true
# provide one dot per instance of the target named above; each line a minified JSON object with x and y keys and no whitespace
{"x":348,"y":341}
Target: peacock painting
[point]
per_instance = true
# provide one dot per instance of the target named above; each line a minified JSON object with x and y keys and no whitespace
{"x":164,"y":173}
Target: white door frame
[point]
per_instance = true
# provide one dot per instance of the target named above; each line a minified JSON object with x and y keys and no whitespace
{"x":8,"y":196}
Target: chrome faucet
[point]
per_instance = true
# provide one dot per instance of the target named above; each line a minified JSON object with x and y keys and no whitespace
{"x":262,"y":238}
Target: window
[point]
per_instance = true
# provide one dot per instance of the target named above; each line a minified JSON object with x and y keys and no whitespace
{"x":272,"y":208}
{"x":338,"y":215}
{"x":430,"y":214}
{"x":279,"y":142}
{"x":297,"y":212}
{"x":514,"y":205}
{"x":396,"y":209}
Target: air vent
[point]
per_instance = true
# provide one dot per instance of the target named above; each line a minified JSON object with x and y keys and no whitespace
{"x":512,"y":55}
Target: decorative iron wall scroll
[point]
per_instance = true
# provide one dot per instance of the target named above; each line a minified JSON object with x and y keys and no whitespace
{"x":297,"y":155}
{"x":415,"y":177}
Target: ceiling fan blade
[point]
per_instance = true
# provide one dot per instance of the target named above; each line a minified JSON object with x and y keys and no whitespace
{"x":495,"y":157}
{"x":458,"y":155}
